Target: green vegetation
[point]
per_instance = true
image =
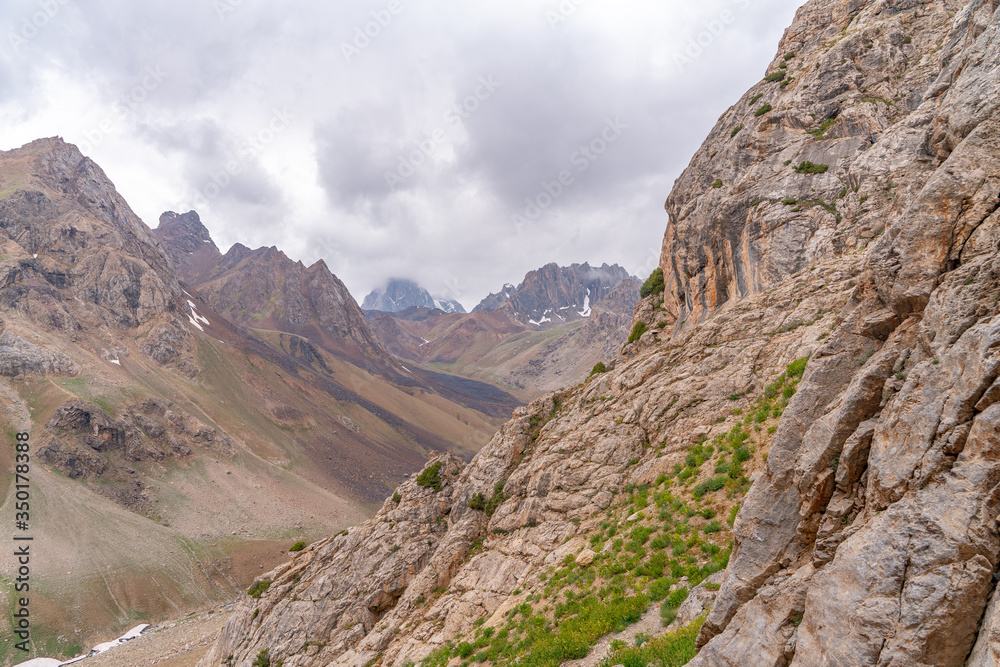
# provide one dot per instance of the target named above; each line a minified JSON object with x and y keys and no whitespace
{"x":637,"y":331}
{"x":653,"y":285}
{"x":396,"y":497}
{"x":717,"y":184}
{"x":808,"y":167}
{"x":824,"y":126}
{"x":763,"y":110}
{"x":263,"y":659}
{"x":736,"y":130}
{"x":259,"y":588}
{"x":599,"y":367}
{"x":298,"y":546}
{"x":669,"y":650}
{"x":676,"y":528}
{"x":480,"y":503}
{"x":533,"y":640}
{"x":430,"y":477}
{"x":755,"y":98}
{"x":775,"y":76}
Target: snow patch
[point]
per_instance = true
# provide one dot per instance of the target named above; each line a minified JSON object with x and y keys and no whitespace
{"x":194,"y":318}
{"x":586,"y":306}
{"x":97,"y":650}
{"x":540,"y":322}
{"x":115,"y":361}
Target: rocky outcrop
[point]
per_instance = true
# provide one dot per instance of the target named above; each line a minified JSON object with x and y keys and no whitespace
{"x":846,"y":211}
{"x":188,"y":245}
{"x":57,"y":229}
{"x":84,"y":442}
{"x":19,"y":357}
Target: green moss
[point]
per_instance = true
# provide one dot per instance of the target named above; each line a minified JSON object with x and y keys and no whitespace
{"x":298,"y":546}
{"x":717,"y":184}
{"x":762,"y":110}
{"x":775,"y":76}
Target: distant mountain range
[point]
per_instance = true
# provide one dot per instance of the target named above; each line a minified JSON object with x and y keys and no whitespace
{"x":544,"y":334}
{"x":556,"y":295}
{"x":400,"y":294}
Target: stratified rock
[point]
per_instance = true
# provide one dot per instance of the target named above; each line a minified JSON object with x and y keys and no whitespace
{"x":19,"y":357}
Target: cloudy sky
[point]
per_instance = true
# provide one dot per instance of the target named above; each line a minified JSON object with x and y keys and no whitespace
{"x":459,"y":144}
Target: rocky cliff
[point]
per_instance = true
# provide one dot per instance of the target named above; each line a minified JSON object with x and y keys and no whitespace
{"x":825,"y":340}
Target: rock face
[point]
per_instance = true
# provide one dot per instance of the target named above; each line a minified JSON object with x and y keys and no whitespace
{"x":56,"y":227}
{"x":848,"y":213}
{"x":19,"y":357}
{"x":400,"y":294}
{"x":188,"y":244}
{"x":89,"y":445}
{"x":555,"y":295}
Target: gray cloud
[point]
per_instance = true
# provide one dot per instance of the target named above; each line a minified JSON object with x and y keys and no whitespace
{"x":407,"y":151}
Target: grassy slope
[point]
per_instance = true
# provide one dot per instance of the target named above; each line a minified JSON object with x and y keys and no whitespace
{"x":657,"y":542}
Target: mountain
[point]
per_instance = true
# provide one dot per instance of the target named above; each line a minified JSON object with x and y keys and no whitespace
{"x":554,"y":294}
{"x":497,"y":343}
{"x":400,"y":294}
{"x":191,"y":414}
{"x":798,"y":441}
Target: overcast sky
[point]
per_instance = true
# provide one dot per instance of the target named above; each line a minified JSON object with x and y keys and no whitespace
{"x":392,"y":138}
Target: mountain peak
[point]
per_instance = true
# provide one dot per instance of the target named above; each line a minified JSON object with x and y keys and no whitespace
{"x":188,"y":244}
{"x":402,"y":293}
{"x":554,"y":294}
